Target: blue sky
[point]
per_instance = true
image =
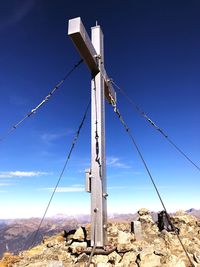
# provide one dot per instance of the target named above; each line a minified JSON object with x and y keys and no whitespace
{"x":152,"y":52}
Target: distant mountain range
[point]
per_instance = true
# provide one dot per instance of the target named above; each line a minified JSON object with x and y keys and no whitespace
{"x":194,"y":212}
{"x":19,"y":234}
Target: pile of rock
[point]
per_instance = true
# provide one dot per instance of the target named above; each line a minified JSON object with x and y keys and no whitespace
{"x":150,"y":248}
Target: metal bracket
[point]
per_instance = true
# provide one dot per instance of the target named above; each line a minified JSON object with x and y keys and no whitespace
{"x":88,"y":177}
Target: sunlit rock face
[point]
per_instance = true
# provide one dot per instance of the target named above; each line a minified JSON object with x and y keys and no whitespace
{"x":154,"y":248}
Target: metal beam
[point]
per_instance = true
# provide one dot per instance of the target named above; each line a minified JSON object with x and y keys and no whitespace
{"x":88,"y":53}
{"x":92,"y":52}
{"x":98,"y":166}
{"x":80,"y":38}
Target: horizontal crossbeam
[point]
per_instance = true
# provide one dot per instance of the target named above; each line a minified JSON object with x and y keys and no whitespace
{"x":81,"y":40}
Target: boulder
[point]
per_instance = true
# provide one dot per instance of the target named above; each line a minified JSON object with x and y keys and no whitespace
{"x":143,"y":211}
{"x":173,"y":261}
{"x":129,"y":258}
{"x":80,"y":234}
{"x":77,"y":247}
{"x":149,"y":260}
{"x":125,"y":241}
{"x":181,"y":217}
{"x":114,"y":257}
{"x":155,"y":249}
{"x":97,"y":259}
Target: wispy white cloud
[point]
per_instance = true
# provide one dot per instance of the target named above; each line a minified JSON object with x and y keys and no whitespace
{"x":13,"y":174}
{"x":77,"y":185}
{"x":50,"y":137}
{"x":69,"y":189}
{"x":5,"y":184}
{"x":116,"y":162}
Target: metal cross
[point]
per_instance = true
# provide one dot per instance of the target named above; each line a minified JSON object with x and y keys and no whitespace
{"x":92,"y":52}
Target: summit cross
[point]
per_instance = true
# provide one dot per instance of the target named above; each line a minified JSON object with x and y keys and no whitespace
{"x":92,"y":52}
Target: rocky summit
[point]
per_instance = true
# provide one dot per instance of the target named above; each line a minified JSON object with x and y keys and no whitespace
{"x":138,"y":244}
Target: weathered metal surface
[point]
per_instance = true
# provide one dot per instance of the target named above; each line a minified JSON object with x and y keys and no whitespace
{"x":98,"y":169}
{"x":81,"y":40}
{"x":92,"y":52}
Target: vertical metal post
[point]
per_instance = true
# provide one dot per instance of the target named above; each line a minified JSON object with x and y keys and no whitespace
{"x":92,"y":52}
{"x":98,"y":161}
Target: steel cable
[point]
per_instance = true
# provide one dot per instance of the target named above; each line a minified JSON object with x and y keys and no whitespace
{"x":14,"y":127}
{"x":62,"y":172}
{"x":143,"y":114}
{"x":97,"y":159}
{"x":152,"y":180}
{"x":96,"y":129}
{"x":94,"y":246}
